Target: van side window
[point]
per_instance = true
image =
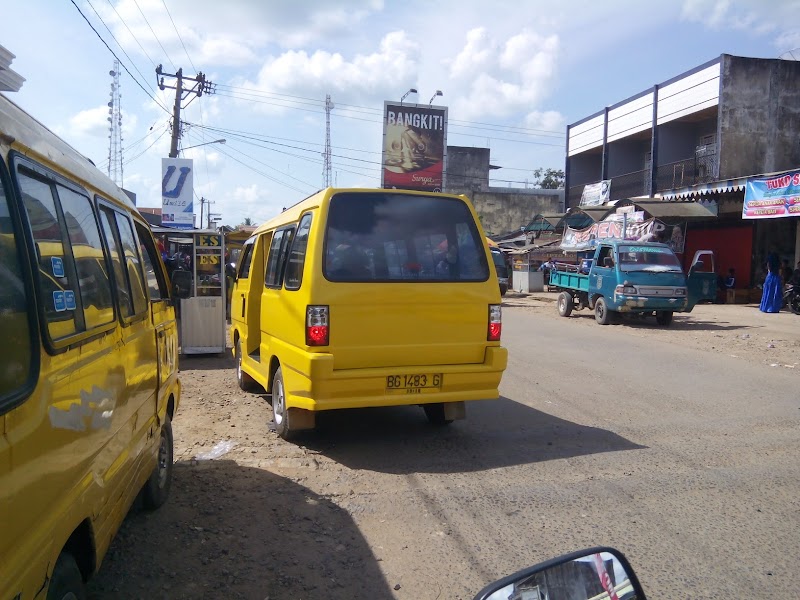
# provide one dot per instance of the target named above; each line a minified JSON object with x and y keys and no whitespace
{"x":605,"y":252}
{"x":16,"y":352}
{"x":90,"y":258}
{"x":109,"y":225}
{"x":57,"y":278}
{"x":276,"y":264}
{"x":297,"y":255}
{"x":156,"y":285}
{"x":247,"y":259}
{"x":133,"y":264}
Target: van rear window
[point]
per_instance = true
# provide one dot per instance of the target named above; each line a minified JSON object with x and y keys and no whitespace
{"x":387,"y":237}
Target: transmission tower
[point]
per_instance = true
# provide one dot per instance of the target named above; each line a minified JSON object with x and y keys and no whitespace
{"x":327,"y":180}
{"x":115,"y":128}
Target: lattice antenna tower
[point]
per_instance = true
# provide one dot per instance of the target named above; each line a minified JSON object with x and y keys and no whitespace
{"x":115,"y":128}
{"x":327,"y":180}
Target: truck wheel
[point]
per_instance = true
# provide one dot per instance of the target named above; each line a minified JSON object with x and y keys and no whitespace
{"x":246,"y":383}
{"x":435,"y":414}
{"x":601,"y":313}
{"x":564,"y":304}
{"x":156,"y":490}
{"x":664,"y":318}
{"x":67,"y":581}
{"x":280,"y":415}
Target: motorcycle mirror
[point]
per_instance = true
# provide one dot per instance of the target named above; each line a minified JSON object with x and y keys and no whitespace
{"x":601,"y":573}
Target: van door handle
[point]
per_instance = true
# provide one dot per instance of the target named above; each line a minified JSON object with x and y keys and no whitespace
{"x":243,"y":303}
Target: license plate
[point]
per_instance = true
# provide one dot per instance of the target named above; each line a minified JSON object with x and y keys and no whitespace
{"x":415,"y":383}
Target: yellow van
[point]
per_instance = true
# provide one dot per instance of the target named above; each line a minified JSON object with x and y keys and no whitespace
{"x":357,"y":298}
{"x":88,"y":363}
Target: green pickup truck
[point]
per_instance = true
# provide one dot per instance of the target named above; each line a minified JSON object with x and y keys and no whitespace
{"x":644,"y":278}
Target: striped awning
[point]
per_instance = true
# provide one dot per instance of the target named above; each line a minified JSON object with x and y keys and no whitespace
{"x":704,"y":189}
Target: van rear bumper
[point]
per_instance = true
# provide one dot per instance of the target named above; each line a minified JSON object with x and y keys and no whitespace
{"x":328,"y":389}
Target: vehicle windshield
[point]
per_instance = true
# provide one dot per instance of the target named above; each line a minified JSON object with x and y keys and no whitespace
{"x":388,"y":237}
{"x":651,"y":259}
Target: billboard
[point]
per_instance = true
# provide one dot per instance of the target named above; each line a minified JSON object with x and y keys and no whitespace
{"x":772,"y":197}
{"x":638,"y":229}
{"x":177,"y":189}
{"x":414,"y":146}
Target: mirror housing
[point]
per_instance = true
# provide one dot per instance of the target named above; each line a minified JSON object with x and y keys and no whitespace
{"x":595,"y":572}
{"x":181,"y":283}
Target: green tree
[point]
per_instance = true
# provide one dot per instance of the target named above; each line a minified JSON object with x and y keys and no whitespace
{"x":549,"y":179}
{"x":248,"y":222}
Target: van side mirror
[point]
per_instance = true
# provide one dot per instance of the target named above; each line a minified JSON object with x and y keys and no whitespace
{"x":181,"y":283}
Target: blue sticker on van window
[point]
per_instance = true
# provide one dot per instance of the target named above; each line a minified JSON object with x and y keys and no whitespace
{"x":69,"y":298}
{"x":59,"y":301}
{"x":58,"y":266}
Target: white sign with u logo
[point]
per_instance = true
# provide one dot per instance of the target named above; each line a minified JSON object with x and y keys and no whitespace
{"x":177,"y":189}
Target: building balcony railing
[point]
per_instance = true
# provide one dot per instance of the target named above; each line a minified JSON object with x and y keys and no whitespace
{"x":690,"y":171}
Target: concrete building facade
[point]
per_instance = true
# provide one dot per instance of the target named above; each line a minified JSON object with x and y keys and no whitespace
{"x":699,"y":136}
{"x":501,"y":209}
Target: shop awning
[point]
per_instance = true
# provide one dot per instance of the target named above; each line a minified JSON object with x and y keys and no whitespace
{"x":703,"y":189}
{"x":661,"y":209}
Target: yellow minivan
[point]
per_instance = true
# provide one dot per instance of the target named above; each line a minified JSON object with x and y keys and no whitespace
{"x":356,"y":298}
{"x":88,"y":363}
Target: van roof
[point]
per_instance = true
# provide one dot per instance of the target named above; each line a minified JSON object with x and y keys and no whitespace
{"x":31,"y":138}
{"x":322,"y":197}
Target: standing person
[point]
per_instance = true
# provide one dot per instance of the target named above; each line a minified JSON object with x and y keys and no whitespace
{"x":772,"y":296}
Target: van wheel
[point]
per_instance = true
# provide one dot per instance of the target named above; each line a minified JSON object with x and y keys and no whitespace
{"x":435,"y":414}
{"x":280,"y":415}
{"x":246,"y":383}
{"x":664,"y":318}
{"x":156,"y":490}
{"x":67,"y":581}
{"x":564,"y":304}
{"x":601,"y":313}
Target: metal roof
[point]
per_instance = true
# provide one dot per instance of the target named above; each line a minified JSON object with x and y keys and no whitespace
{"x":661,"y":209}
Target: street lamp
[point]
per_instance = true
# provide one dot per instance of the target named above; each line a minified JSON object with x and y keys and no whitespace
{"x":438,"y":93}
{"x":204,"y":144}
{"x":411,"y":91}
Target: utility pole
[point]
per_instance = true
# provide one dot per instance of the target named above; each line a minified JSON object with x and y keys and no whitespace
{"x":181,"y":93}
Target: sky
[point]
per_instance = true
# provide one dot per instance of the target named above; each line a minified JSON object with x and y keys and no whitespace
{"x":513,"y":74}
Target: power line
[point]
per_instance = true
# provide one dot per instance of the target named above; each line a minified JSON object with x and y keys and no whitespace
{"x":154,"y":34}
{"x":117,"y":57}
{"x":179,"y":36}
{"x":119,"y":16}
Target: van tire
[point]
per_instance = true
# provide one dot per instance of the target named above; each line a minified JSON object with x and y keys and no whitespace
{"x":601,"y":313}
{"x":280,"y":415}
{"x":67,"y":581}
{"x":664,"y":318}
{"x":565,"y":304}
{"x":156,"y":491}
{"x":435,"y":414}
{"x":246,"y":383}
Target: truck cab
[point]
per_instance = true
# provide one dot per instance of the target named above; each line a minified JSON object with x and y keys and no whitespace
{"x":636,"y":277}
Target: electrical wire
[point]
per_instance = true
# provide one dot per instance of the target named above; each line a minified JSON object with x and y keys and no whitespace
{"x":154,"y":35}
{"x":119,"y":16}
{"x":153,"y":98}
{"x":179,"y":35}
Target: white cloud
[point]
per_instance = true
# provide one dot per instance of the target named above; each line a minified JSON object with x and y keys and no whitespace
{"x":92,"y":122}
{"x":759,"y":17}
{"x":501,"y":79}
{"x":375,"y":76}
{"x":549,"y":120}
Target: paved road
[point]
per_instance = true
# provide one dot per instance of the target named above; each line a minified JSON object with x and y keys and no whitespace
{"x":683,"y":458}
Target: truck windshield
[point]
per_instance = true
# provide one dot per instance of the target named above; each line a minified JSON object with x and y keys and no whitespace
{"x":387,"y":237}
{"x":652,"y":259}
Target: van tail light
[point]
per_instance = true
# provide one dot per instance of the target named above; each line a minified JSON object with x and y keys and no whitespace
{"x":317,"y":325}
{"x":495,"y":323}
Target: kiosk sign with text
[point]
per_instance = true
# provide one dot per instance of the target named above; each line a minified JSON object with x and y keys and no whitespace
{"x":772,"y":197}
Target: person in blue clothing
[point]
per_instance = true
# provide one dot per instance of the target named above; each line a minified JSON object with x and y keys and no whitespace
{"x":772,"y":297}
{"x":730,"y":280}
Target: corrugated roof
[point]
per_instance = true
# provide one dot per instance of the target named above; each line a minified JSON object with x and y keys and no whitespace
{"x":661,"y":209}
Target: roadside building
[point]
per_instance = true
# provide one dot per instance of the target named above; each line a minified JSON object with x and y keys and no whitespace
{"x":501,"y":209}
{"x":699,"y":137}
